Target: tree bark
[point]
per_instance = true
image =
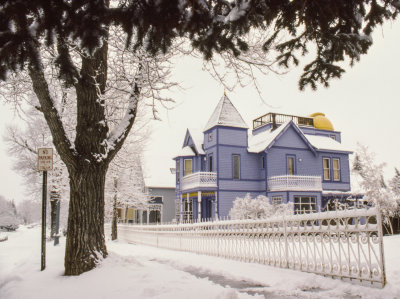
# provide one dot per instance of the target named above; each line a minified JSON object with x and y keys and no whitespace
{"x":85,"y":240}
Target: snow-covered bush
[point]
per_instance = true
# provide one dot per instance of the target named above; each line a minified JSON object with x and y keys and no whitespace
{"x":372,"y":182}
{"x":8,"y":215}
{"x":258,"y":208}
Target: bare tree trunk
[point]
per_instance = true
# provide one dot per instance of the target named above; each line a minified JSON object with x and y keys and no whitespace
{"x":53,"y":214}
{"x":114,"y":228}
{"x":85,"y":240}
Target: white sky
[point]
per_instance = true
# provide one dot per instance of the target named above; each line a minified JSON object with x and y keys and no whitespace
{"x":364,"y":105}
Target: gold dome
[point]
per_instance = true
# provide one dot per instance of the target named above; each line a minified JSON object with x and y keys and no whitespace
{"x":321,"y":122}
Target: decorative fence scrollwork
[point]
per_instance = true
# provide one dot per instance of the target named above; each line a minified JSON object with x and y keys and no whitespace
{"x":346,"y":244}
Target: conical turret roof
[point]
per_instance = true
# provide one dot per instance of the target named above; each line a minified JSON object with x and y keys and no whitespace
{"x":225,"y":114}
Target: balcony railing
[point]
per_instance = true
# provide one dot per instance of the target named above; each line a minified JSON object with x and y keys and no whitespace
{"x":294,"y":182}
{"x":277,"y":118}
{"x":199,"y":180}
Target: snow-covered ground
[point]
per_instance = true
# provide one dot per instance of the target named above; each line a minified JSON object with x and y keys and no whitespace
{"x":134,"y":271}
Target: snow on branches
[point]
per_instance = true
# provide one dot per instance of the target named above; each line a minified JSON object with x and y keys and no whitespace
{"x":258,"y":208}
{"x":8,"y":215}
{"x":373,"y":184}
{"x":395,"y":184}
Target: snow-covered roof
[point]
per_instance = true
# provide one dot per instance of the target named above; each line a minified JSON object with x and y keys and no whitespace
{"x":225,"y":114}
{"x":186,"y":152}
{"x":197,"y":137}
{"x":157,"y":170}
{"x":263,"y":140}
{"x":326,"y":143}
{"x":259,"y":142}
{"x":162,"y":178}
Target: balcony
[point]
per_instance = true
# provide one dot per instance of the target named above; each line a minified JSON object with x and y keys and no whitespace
{"x":294,"y":183}
{"x":277,"y":119}
{"x":199,"y":180}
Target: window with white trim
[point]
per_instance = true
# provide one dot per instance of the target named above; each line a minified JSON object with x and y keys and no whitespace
{"x":327,"y":168}
{"x":336,"y":169}
{"x":304,"y":204}
{"x":276,"y":200}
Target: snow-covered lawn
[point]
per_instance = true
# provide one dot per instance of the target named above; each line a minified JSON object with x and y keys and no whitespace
{"x":133,"y":271}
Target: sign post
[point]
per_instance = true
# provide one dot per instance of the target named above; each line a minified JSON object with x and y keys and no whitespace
{"x":45,"y":163}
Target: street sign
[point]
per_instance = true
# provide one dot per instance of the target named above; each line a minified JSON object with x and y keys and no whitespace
{"x":45,"y":159}
{"x":45,"y":163}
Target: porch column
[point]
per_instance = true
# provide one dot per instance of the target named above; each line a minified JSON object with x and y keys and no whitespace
{"x":141,"y":216}
{"x":181,"y":209}
{"x":216,"y":206}
{"x":148,"y":216}
{"x":186,"y":205}
{"x":199,"y":206}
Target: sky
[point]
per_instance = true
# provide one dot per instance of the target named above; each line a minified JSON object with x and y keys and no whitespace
{"x":364,"y":105}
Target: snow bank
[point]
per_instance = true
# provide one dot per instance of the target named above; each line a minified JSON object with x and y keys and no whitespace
{"x":133,"y":271}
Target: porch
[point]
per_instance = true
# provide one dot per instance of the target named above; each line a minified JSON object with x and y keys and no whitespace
{"x":195,"y":206}
{"x":294,"y":183}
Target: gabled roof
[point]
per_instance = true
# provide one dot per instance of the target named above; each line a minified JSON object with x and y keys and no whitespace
{"x":185,"y":152}
{"x":265,"y":140}
{"x":197,"y":138}
{"x":225,"y":114}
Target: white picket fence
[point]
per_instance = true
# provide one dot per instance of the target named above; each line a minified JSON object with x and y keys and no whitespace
{"x":346,"y":244}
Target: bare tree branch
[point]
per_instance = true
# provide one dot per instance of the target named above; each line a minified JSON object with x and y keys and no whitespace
{"x":60,"y":139}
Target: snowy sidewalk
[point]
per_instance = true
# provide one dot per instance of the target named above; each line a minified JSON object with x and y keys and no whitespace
{"x":135,"y":271}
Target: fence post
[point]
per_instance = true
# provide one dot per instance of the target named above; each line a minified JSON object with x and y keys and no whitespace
{"x":380,"y":236}
{"x":286,"y":243}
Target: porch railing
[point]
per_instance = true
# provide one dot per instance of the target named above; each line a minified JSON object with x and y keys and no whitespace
{"x":199,"y":180}
{"x":346,"y":244}
{"x":294,"y":182}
